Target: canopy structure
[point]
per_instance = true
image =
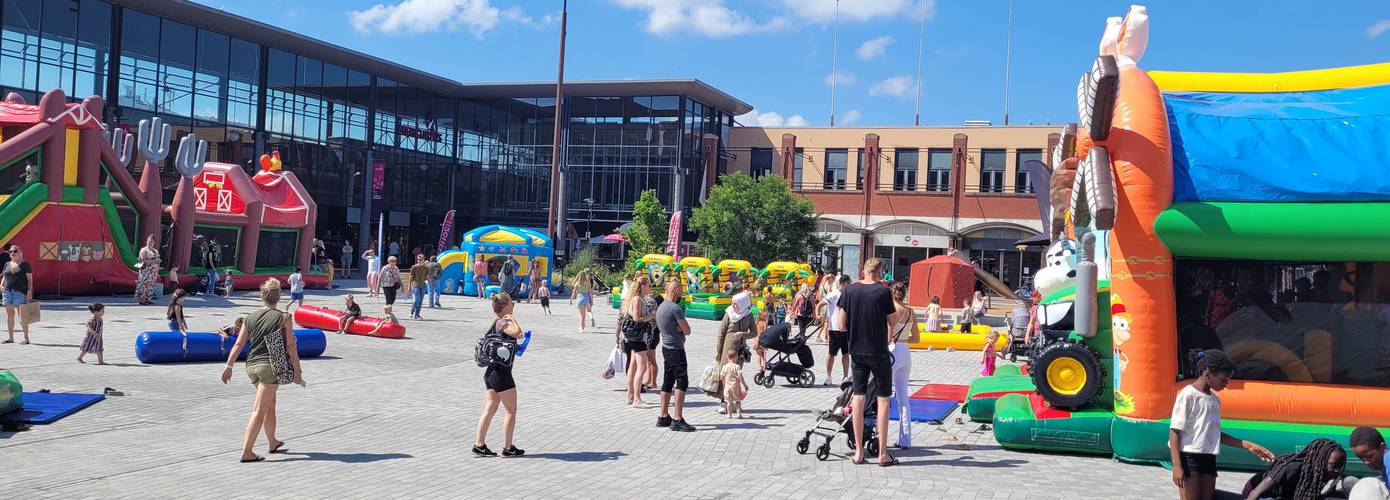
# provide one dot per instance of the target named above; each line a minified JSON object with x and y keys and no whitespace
{"x":495,"y":245}
{"x":949,"y":278}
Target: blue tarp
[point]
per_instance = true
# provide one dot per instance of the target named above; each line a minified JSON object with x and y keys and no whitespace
{"x":924,"y":410}
{"x":1331,"y":145}
{"x":46,"y":408}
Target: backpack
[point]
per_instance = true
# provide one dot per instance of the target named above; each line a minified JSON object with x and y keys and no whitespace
{"x":494,"y":349}
{"x":805,"y":307}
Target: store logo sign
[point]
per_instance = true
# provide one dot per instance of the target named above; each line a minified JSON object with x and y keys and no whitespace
{"x":428,"y":131}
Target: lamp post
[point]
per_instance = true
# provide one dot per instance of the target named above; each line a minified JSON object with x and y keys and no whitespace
{"x":589,"y":221}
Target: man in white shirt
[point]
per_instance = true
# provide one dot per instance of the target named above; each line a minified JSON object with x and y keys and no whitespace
{"x":838,"y":340}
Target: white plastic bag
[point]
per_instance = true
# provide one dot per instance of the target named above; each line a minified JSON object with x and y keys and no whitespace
{"x":617,"y":363}
{"x":707,"y":381}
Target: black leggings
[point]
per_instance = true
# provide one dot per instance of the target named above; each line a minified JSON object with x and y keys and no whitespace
{"x":390,"y":293}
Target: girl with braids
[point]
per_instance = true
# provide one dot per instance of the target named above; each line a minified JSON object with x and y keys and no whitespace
{"x":1299,"y":476}
{"x":1195,"y":436}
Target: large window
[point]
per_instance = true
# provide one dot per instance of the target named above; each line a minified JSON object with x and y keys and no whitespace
{"x":1323,"y":322}
{"x":50,"y":44}
{"x":939,"y":170}
{"x":836,"y":168}
{"x":1023,"y":183}
{"x":992,"y":171}
{"x":905,"y":169}
{"x":797,"y":159}
{"x":759,"y":162}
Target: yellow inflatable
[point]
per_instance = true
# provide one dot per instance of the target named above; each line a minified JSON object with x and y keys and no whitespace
{"x":973,"y":341}
{"x":1293,"y":81}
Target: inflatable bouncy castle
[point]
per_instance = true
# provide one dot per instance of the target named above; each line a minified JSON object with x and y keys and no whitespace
{"x":1249,"y":213}
{"x":494,"y":245}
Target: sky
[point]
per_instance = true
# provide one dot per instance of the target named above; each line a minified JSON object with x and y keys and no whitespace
{"x":777,"y":54}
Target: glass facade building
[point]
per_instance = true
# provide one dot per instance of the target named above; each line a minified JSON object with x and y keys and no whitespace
{"x":483,"y":150}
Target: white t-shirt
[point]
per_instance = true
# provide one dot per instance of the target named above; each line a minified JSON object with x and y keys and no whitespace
{"x":1198,"y":416}
{"x":374,"y":264}
{"x":832,"y":313}
{"x":745,"y":305}
{"x":296,"y":283}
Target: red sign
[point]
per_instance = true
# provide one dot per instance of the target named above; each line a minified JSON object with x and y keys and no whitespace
{"x":428,"y":132}
{"x":445,"y":229}
{"x":378,"y":178}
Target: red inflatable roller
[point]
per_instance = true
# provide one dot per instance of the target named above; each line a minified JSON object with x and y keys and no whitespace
{"x":327,"y":320}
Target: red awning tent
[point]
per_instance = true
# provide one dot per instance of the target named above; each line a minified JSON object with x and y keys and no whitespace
{"x":944,"y":276}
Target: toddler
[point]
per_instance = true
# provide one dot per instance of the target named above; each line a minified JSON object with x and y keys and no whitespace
{"x":544,"y":294}
{"x":92,"y":344}
{"x":388,"y":318}
{"x":735,"y":387}
{"x":989,"y":355}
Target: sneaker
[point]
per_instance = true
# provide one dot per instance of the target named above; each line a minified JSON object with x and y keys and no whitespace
{"x":482,"y":451}
{"x":513,"y":451}
{"x":681,"y":426}
{"x":663,"y":421}
{"x":826,"y":381}
{"x":720,"y":409}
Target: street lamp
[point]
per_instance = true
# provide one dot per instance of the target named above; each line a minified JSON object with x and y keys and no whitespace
{"x":589,"y":221}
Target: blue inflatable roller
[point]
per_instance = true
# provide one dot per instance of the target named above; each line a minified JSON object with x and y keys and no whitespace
{"x":173,"y":347}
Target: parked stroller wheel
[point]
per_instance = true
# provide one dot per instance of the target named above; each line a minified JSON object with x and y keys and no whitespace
{"x":823,"y":452}
{"x":871,"y":446}
{"x":758,"y":378}
{"x":807,"y":379}
{"x":768,"y":381}
{"x":803,"y":445}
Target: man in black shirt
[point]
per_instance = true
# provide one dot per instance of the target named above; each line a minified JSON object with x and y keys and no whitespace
{"x":865,"y":308}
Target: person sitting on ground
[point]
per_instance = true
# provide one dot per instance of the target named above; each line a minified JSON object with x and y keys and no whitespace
{"x":350,"y":312}
{"x":233,"y":329}
{"x":1369,"y":446}
{"x":387,"y":318}
{"x":1301,"y":475}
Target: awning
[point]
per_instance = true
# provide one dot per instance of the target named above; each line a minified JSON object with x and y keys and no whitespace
{"x":1038,"y":240}
{"x":1319,"y":232}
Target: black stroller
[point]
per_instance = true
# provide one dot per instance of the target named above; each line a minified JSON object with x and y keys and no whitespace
{"x":780,"y":364}
{"x":839,"y":420}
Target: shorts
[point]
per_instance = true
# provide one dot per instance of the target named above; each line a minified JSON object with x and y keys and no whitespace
{"x":880,"y":366}
{"x":586,"y":299}
{"x":498,"y":378}
{"x":173,"y":325}
{"x":14,"y":298}
{"x":1198,"y":464}
{"x":634,"y":347}
{"x":653,"y":339}
{"x":261,"y":372}
{"x":545,"y":302}
{"x":676,"y":372}
{"x":839,"y":342}
{"x":297,"y":296}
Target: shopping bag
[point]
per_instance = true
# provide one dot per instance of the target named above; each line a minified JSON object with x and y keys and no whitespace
{"x":709,"y":380}
{"x":617,"y":363}
{"x":29,"y":313}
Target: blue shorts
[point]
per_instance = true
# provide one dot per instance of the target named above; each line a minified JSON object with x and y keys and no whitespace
{"x":585,"y":299}
{"x":296,"y":295}
{"x":13,"y":298}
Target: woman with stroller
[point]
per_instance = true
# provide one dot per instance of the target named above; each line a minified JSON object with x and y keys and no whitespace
{"x":905,"y":331}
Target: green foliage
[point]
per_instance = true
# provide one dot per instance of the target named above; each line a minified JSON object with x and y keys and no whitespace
{"x":756,"y":220}
{"x":585,"y":257}
{"x":650,"y":225}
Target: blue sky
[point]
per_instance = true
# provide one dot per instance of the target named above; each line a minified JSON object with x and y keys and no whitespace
{"x":776,"y":54}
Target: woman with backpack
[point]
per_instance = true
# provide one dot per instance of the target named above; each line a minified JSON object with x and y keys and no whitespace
{"x":803,"y":308}
{"x":634,"y":328}
{"x":500,"y":386}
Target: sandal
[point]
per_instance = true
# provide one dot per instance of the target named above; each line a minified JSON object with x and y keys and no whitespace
{"x":258,"y":458}
{"x":482,"y":451}
{"x":279,"y":448}
{"x":892,"y":460}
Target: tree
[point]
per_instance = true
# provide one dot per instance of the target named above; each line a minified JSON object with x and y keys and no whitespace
{"x":650,"y":224}
{"x":757,"y":220}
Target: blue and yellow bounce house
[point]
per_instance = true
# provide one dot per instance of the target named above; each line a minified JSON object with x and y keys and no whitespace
{"x":1242,"y":212}
{"x":494,"y":244}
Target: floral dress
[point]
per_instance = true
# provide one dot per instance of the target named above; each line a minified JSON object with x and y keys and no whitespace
{"x":149,"y":274}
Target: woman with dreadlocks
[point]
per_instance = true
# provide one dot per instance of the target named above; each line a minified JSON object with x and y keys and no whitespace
{"x":1299,"y":476}
{"x":1195,"y":436}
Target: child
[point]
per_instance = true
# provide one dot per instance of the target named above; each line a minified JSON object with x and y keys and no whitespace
{"x":92,"y":344}
{"x":173,"y":280}
{"x":735,"y":387}
{"x":1195,"y":435}
{"x":934,"y":314}
{"x":1301,"y":475}
{"x":989,"y":355}
{"x":296,"y":288}
{"x":350,"y":312}
{"x":387,"y":319}
{"x":544,"y":293}
{"x":175,"y":312}
{"x":227,"y":283}
{"x":233,"y":329}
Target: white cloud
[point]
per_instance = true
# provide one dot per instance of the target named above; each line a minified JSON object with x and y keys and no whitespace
{"x":841,"y":78}
{"x":873,"y":47}
{"x":850,"y":117}
{"x":755,"y":118}
{"x":1378,"y":28}
{"x":424,"y":16}
{"x":897,"y":86}
{"x":708,"y":18}
{"x":823,"y":11}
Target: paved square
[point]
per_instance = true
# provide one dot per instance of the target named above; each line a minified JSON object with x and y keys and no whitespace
{"x":395,"y":418}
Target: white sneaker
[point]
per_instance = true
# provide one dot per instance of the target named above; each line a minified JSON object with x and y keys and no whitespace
{"x":826,"y":382}
{"x":720,"y":409}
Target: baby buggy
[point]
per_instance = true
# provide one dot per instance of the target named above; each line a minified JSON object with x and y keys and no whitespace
{"x":775,"y":337}
{"x":840,"y":420}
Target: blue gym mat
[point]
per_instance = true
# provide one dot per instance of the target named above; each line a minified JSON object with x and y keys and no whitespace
{"x":924,"y":410}
{"x":48,"y":407}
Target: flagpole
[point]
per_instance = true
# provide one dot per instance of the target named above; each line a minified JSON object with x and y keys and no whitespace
{"x":1008,"y":56}
{"x":556,"y":218}
{"x":834,"y":59}
{"x":921,"y":43}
